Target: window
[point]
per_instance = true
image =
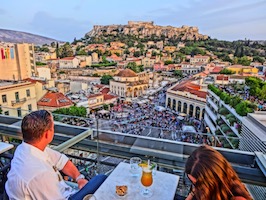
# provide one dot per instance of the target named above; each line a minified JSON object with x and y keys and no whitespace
{"x":19,"y":112}
{"x":29,"y":108}
{"x":28,"y":92}
{"x":4,"y":100}
{"x":6,"y":113}
{"x":17,"y":96}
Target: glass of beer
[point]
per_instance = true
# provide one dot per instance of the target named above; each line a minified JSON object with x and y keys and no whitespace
{"x":146,"y":179}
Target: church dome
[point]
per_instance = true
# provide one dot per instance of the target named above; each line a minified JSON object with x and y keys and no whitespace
{"x":127,"y":73}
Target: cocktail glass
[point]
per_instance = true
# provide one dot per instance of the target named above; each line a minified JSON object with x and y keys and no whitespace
{"x":146,"y":179}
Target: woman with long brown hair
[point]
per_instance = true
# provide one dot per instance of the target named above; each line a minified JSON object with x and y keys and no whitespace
{"x":212,"y":177}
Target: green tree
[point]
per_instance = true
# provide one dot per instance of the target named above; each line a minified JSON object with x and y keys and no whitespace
{"x":66,"y":51}
{"x":178,"y":73}
{"x":137,"y":54}
{"x":134,"y":67}
{"x":244,"y":61}
{"x":105,"y":106}
{"x":258,"y":59}
{"x":53,"y":44}
{"x":81,"y":52}
{"x":226,"y":71}
{"x":73,"y":110}
{"x":105,"y":79}
{"x":118,"y":54}
{"x":167,"y":62}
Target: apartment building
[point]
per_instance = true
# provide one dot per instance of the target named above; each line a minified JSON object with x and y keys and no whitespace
{"x":68,"y":62}
{"x":199,"y":59}
{"x":17,"y":98}
{"x":253,"y":132}
{"x":222,"y":121}
{"x":17,"y":61}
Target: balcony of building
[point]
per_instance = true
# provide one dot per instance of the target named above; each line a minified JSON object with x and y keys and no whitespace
{"x":99,"y":151}
{"x":212,"y":103}
{"x":18,"y":102}
{"x":211,"y":113}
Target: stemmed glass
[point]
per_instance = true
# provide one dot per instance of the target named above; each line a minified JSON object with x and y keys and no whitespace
{"x":146,"y":179}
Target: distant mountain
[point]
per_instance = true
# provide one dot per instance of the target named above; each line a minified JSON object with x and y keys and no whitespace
{"x":18,"y":37}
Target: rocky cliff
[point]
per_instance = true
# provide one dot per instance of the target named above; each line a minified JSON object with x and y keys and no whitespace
{"x":148,"y":29}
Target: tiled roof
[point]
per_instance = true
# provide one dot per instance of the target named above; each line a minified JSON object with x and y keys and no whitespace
{"x":99,"y":86}
{"x":54,"y":99}
{"x":34,"y":81}
{"x":94,"y":95}
{"x":127,"y":73}
{"x":222,"y":77}
{"x":188,"y":86}
{"x":105,"y":90}
{"x":216,"y":69}
{"x":67,"y":58}
{"x":108,"y":97}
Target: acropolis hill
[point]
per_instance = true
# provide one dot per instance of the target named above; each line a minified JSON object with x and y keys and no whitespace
{"x":145,"y":29}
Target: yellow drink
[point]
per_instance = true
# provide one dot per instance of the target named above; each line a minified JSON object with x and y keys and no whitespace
{"x":146,"y":178}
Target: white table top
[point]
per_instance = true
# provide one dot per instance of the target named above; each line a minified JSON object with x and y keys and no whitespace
{"x":163,"y":187}
{"x":5,"y":147}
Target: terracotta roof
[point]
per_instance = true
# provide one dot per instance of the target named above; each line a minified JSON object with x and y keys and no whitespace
{"x":94,"y":95}
{"x":54,"y":99}
{"x":127,"y":73}
{"x":216,"y":69}
{"x":67,"y":58}
{"x":99,"y":86}
{"x":105,"y":90}
{"x":108,"y":97}
{"x":222,"y":77}
{"x":188,"y":86}
{"x":34,"y":81}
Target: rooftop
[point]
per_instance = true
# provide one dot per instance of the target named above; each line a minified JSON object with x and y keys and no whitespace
{"x":54,"y":99}
{"x":127,"y":73}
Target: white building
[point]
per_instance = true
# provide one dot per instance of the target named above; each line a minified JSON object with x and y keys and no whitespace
{"x":68,"y":62}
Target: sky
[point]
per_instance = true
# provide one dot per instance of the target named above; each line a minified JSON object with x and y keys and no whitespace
{"x":68,"y":19}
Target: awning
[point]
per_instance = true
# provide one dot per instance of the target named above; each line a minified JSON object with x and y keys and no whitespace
{"x":103,"y":112}
{"x":182,"y":114}
{"x":180,"y":118}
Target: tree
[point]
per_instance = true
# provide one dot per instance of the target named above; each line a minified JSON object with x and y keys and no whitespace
{"x":178,"y":73}
{"x":226,"y":71}
{"x":105,"y":106}
{"x":137,"y":54}
{"x":167,"y":62}
{"x":134,"y":67}
{"x":258,"y":59}
{"x":53,"y":44}
{"x":118,"y":54}
{"x":106,"y":79}
{"x":244,"y":61}
{"x":81,"y":52}
{"x":66,"y":51}
{"x":73,"y":110}
{"x":57,"y":50}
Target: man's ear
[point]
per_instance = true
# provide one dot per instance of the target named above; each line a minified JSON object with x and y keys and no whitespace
{"x":46,"y":134}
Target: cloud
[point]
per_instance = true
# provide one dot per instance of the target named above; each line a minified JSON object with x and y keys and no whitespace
{"x":66,"y":28}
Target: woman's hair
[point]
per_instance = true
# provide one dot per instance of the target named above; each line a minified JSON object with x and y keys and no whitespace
{"x":215,"y":177}
{"x":35,"y":124}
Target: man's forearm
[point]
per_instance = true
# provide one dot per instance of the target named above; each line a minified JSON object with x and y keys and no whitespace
{"x":71,"y":170}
